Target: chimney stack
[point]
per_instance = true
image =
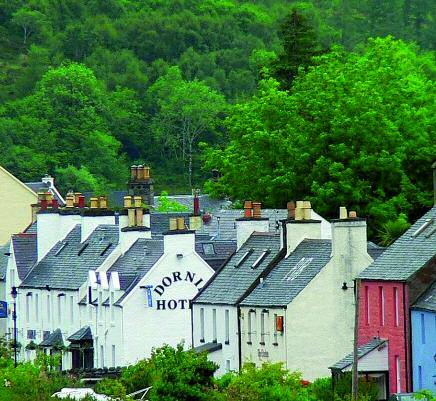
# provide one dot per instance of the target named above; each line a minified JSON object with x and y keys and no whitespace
{"x":140,"y":184}
{"x":196,"y":204}
{"x":291,"y":210}
{"x":69,"y":200}
{"x":251,"y":222}
{"x":81,"y":201}
{"x":178,"y":239}
{"x":93,"y":203}
{"x":300,"y":228}
{"x":133,"y":173}
{"x":42,"y":201}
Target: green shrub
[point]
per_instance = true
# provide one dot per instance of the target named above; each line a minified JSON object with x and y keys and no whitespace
{"x":112,"y":388}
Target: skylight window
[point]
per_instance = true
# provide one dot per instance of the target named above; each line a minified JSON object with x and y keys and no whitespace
{"x":105,"y":249}
{"x":260,"y":259}
{"x":297,"y":269}
{"x":208,"y":249}
{"x":64,"y":244}
{"x":82,"y":249}
{"x":243,"y":258}
{"x":422,"y":228}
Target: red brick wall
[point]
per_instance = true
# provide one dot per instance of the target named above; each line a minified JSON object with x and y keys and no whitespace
{"x":395,"y":329}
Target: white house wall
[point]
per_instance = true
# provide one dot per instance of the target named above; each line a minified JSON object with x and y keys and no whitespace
{"x":228,"y":357}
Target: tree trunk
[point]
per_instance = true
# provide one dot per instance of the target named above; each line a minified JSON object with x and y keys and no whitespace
{"x":190,"y":164}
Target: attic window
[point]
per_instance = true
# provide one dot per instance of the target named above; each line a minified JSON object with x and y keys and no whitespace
{"x":64,"y":244}
{"x":105,"y":249}
{"x":82,"y":249}
{"x":260,"y":258}
{"x":208,"y":249}
{"x":243,"y":258}
{"x":422,"y":228}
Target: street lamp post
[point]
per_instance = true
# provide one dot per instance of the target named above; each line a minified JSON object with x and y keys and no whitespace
{"x":14,"y":293}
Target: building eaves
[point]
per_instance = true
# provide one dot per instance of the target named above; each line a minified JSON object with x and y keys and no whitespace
{"x":408,"y":254}
{"x":84,"y":333}
{"x":291,"y":275}
{"x":427,"y":301}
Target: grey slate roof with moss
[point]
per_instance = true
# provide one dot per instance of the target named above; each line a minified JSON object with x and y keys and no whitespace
{"x":67,"y":264}
{"x":232,"y":282}
{"x":291,"y":275}
{"x":408,"y":254}
{"x":361,"y":352}
{"x":53,"y":339}
{"x":427,"y":301}
{"x":25,"y":252}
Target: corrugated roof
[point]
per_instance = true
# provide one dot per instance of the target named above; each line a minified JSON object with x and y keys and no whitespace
{"x":408,"y":254}
{"x":64,"y":268}
{"x":427,"y":301}
{"x":231,"y":283}
{"x":361,"y":351}
{"x":291,"y":275}
{"x":25,"y":252}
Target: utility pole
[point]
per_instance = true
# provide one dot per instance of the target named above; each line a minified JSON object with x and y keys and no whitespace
{"x":355,"y":378}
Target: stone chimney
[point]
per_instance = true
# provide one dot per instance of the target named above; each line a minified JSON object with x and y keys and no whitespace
{"x":179,"y":239}
{"x":141,"y":184}
{"x":134,"y":222}
{"x":251,"y":222}
{"x":98,"y":213}
{"x":349,"y":244}
{"x":300,"y":227}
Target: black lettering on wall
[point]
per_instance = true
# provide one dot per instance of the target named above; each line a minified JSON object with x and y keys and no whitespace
{"x":161,"y":304}
{"x":159,"y":289}
{"x":190,"y":276}
{"x":176,"y":276}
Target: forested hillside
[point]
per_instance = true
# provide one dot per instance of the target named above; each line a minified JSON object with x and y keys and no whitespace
{"x":87,"y":87}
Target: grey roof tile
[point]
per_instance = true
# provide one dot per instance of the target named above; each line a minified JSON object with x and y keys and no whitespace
{"x":231,"y":283}
{"x":4,"y":260}
{"x":427,"y":301}
{"x":53,"y":339}
{"x":31,"y":228}
{"x":43,"y":187}
{"x":84,"y":333}
{"x":208,"y":347}
{"x":361,"y":351}
{"x":25,"y":252}
{"x":214,"y":252}
{"x":291,"y":275}
{"x":64,"y":268}
{"x":160,"y":221}
{"x":408,"y":254}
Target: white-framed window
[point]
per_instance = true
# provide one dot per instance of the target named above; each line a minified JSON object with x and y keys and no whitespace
{"x":263,"y":316}
{"x":113,"y":355}
{"x":28,"y":308}
{"x":251,"y":316}
{"x":37,"y":308}
{"x":275,"y":328}
{"x":48,"y":308}
{"x":227,"y":325}
{"x":214,"y":328}
{"x":398,"y":373}
{"x":202,"y":324}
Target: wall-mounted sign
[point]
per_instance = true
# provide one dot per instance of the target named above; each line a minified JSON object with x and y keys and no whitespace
{"x":3,"y":309}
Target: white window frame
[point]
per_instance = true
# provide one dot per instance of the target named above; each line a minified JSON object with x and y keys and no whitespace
{"x":214,"y":326}
{"x":202,"y":324}
{"x":227,"y":326}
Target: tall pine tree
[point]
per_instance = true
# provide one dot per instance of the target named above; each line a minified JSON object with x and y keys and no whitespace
{"x":300,"y":44}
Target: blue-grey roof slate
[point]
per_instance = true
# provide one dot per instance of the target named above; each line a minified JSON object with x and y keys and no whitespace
{"x":408,"y":254}
{"x":361,"y":352}
{"x":84,"y":333}
{"x":53,"y":339}
{"x":31,"y":228}
{"x":231,"y":282}
{"x":291,"y":275}
{"x":25,"y":253}
{"x":4,"y":260}
{"x":427,"y":301}
{"x":160,"y":221}
{"x":64,"y":268}
{"x":221,"y":250}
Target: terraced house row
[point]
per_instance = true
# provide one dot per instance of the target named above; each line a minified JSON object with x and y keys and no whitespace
{"x":103,"y":287}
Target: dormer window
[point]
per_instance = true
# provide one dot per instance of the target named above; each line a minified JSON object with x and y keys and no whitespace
{"x":208,"y":249}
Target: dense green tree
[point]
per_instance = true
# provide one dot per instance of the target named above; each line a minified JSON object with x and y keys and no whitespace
{"x":356,"y":130}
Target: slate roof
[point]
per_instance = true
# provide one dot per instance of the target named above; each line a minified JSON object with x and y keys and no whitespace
{"x":231,"y":283}
{"x":4,"y":260}
{"x":291,"y":275}
{"x":40,"y":186}
{"x":53,"y":339}
{"x":208,"y":347}
{"x":31,"y":228}
{"x":361,"y":352}
{"x":408,"y":254}
{"x":137,"y":261}
{"x":25,"y":253}
{"x":214,"y":252}
{"x":84,"y":333}
{"x":160,"y":222}
{"x":64,"y":268}
{"x":427,"y":301}
{"x":374,"y":250}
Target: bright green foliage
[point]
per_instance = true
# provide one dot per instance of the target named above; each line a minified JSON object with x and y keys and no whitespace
{"x":168,"y":205}
{"x":271,"y":382}
{"x":393,"y":229}
{"x":112,"y":388}
{"x":186,"y":112}
{"x":175,"y":374}
{"x":356,"y":130}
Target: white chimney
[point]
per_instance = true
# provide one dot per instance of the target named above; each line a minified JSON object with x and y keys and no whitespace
{"x":251,"y":222}
{"x":90,"y":221}
{"x":301,"y":228}
{"x":127,"y":235}
{"x":179,"y":239}
{"x":47,"y":179}
{"x":349,"y":244}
